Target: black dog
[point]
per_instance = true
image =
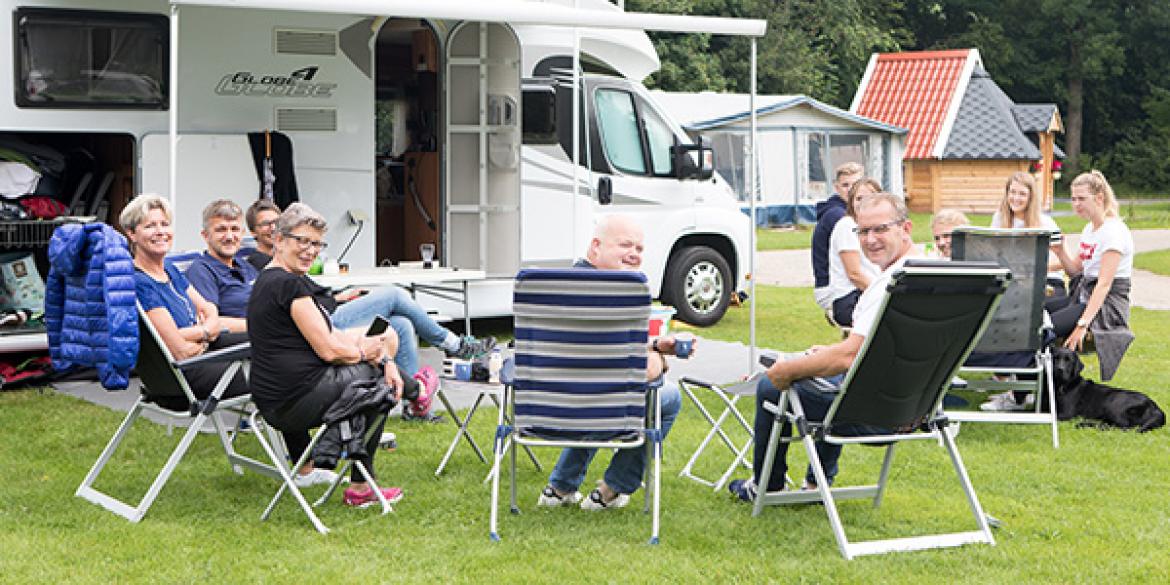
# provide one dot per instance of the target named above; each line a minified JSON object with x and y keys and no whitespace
{"x":1076,"y":396}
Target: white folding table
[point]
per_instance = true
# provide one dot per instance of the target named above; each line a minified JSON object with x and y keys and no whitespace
{"x":445,"y":283}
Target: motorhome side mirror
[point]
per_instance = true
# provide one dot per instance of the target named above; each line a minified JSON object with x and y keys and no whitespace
{"x":686,"y":167}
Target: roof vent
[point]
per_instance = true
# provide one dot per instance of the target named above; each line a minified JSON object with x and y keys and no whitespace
{"x":305,"y":42}
{"x":306,"y":119}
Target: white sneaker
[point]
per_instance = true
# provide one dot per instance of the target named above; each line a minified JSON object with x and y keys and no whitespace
{"x":317,"y":476}
{"x":596,"y":502}
{"x":1006,"y":402}
{"x":549,"y":498}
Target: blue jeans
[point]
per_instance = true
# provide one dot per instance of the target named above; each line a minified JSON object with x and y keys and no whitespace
{"x":816,"y":403}
{"x":624,"y":474}
{"x":405,"y":315}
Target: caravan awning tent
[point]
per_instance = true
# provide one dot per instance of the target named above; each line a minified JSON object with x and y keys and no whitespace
{"x":801,"y":141}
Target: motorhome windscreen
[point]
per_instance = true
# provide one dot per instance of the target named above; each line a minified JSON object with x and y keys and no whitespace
{"x":71,"y":58}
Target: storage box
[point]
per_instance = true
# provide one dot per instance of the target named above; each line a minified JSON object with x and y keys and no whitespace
{"x":21,"y":285}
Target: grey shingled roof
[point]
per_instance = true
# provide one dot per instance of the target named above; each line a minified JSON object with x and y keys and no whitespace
{"x":986,"y":127}
{"x":1034,"y":117}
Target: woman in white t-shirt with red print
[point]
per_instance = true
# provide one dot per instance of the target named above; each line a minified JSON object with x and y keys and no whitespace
{"x":1020,"y":208}
{"x":1101,"y":268}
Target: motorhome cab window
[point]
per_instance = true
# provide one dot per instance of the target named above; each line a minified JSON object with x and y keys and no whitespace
{"x":619,"y":130}
{"x":619,"y":121}
{"x":71,"y":58}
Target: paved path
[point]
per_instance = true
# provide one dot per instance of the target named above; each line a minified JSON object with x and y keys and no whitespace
{"x":793,"y":268}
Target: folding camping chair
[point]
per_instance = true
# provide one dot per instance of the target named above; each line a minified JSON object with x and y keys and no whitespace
{"x":580,"y":377}
{"x":275,"y":448}
{"x":1018,"y":323}
{"x":163,"y":380}
{"x":729,"y":397}
{"x":931,"y":317}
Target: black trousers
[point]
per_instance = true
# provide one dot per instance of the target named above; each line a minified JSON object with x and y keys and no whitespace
{"x":295,"y":418}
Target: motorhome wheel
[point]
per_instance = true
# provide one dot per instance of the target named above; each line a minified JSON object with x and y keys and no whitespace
{"x":697,"y":284}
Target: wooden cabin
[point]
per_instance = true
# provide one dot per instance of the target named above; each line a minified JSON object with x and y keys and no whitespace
{"x":966,"y":135}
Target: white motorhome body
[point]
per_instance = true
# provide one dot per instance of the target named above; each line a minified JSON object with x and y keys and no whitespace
{"x":322,"y":78}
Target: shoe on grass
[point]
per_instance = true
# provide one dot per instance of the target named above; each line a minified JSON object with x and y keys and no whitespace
{"x":597,"y":502}
{"x":471,"y":347}
{"x":744,"y":489}
{"x":1006,"y":402}
{"x":318,"y":476}
{"x":549,"y":498}
{"x":366,"y":498}
{"x":428,"y":381}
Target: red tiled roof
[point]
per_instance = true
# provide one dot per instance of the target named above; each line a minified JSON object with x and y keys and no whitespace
{"x":913,"y":90}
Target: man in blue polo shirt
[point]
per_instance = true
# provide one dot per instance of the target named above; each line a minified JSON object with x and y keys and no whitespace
{"x":218,"y":275}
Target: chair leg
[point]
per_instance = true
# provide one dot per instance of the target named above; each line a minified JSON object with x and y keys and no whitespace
{"x":497,"y":460}
{"x":286,"y":483}
{"x":826,"y":494}
{"x":1046,"y":360}
{"x":770,"y":455}
{"x":968,"y":488}
{"x":656,"y":453}
{"x":884,"y":476}
{"x":135,"y":513}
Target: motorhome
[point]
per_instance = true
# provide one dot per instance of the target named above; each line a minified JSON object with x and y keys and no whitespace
{"x":445,"y":123}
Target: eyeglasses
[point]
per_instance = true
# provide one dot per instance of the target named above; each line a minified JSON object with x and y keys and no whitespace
{"x":266,"y":224}
{"x":939,"y":238}
{"x":305,"y":242}
{"x":878,"y":229}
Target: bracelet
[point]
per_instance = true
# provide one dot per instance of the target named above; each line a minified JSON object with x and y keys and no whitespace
{"x":654,"y":346}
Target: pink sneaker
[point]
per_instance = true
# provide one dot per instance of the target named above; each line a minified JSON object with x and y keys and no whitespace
{"x":368,"y":498}
{"x":429,"y":380}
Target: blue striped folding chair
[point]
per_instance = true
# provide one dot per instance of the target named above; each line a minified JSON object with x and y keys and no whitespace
{"x":580,"y":378}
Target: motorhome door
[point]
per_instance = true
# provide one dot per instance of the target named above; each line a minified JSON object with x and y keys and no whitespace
{"x":482,"y":163}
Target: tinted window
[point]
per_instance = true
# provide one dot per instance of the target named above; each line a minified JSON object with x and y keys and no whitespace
{"x":70,"y":58}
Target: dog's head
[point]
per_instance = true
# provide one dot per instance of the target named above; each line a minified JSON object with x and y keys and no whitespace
{"x":1066,"y":367}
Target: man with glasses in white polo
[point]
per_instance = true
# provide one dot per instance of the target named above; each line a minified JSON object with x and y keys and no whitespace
{"x":883,"y":227}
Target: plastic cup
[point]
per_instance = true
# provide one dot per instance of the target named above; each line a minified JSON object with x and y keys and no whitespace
{"x":463,"y":371}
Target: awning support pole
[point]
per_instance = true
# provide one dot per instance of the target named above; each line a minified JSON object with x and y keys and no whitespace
{"x":752,"y":194}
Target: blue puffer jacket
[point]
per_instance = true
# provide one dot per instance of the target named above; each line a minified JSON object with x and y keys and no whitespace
{"x":90,"y":307}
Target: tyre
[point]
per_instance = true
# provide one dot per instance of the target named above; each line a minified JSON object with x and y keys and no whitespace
{"x":698,"y":284}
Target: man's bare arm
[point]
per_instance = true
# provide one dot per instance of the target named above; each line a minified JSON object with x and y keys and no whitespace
{"x":825,"y":361}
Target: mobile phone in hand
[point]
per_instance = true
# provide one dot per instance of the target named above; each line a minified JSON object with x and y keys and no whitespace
{"x":378,"y":327}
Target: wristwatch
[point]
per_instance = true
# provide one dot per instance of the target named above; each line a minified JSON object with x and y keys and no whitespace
{"x":1083,"y":323}
{"x":384,"y":360}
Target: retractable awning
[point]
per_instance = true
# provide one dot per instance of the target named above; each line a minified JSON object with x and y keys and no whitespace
{"x":506,"y":11}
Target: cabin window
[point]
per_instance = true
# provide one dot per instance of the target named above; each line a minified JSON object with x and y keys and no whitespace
{"x":90,"y":59}
{"x":618,"y":120}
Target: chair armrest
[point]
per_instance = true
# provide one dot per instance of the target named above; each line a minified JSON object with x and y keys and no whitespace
{"x":234,"y":353}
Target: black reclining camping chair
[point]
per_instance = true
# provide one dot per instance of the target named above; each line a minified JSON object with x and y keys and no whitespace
{"x":1017,"y":324}
{"x":931,"y":317}
{"x":165,"y":391}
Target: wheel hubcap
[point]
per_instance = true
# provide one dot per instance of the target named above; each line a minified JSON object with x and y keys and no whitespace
{"x":704,"y":287}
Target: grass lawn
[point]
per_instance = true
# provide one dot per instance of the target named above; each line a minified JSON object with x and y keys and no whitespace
{"x":1095,"y":510}
{"x":1157,"y":261}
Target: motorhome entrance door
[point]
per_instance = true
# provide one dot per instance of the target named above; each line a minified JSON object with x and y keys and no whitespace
{"x":483,"y":149}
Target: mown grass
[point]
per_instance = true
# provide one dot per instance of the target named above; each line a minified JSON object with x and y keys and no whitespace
{"x":1157,"y":261}
{"x":1095,"y":510}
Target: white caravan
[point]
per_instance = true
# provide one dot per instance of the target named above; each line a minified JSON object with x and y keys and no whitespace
{"x":408,"y":126}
